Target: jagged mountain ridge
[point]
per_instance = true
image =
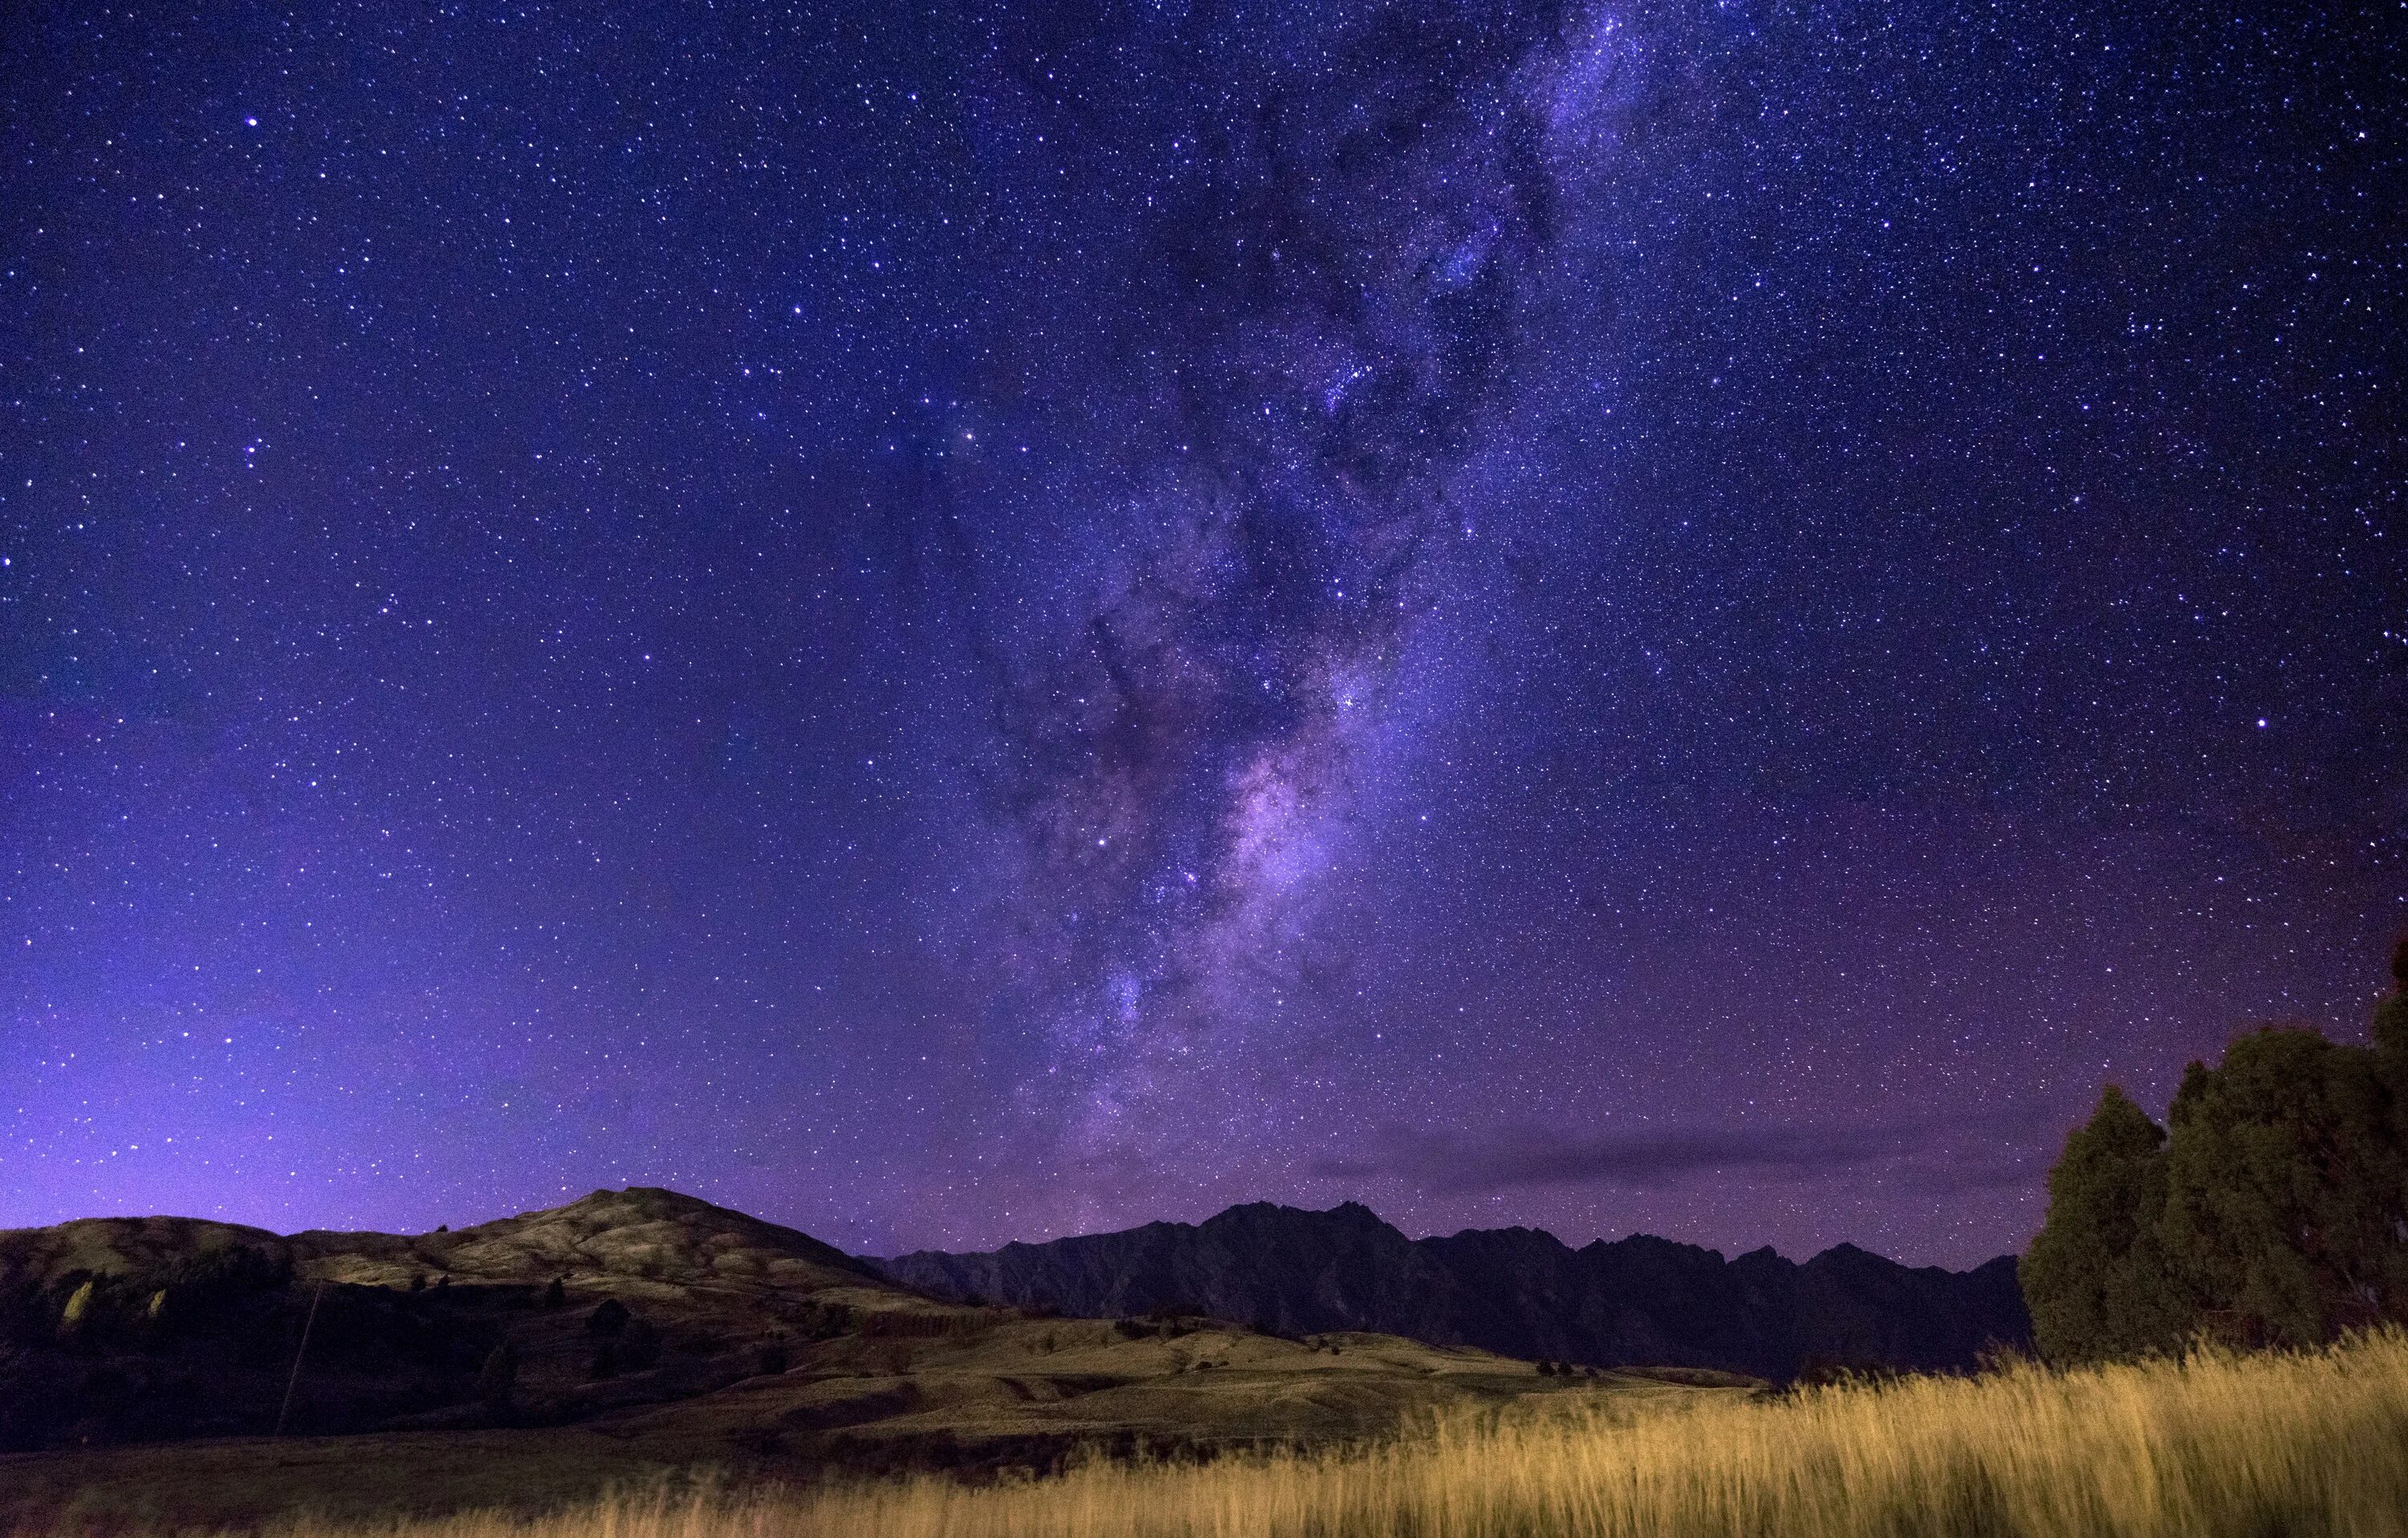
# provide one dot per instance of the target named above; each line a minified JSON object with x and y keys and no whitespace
{"x":1520,"y":1292}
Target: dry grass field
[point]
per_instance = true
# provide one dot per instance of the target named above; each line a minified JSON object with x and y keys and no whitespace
{"x":1000,"y":1395}
{"x":2249,"y":1446}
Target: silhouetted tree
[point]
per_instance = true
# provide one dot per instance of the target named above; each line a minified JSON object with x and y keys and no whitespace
{"x":2096,"y":1278}
{"x":2283,"y":1189}
{"x":2272,"y":1211}
{"x":556,"y":1295}
{"x":609,"y":1318}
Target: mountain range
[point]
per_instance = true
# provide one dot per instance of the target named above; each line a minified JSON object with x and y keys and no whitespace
{"x":229,"y":1373}
{"x":1519,"y":1292}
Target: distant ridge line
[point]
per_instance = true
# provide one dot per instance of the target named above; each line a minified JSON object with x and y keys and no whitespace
{"x":1518,"y":1291}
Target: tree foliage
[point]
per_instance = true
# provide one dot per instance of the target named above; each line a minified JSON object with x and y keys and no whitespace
{"x":2272,"y":1211}
{"x":2097,"y":1279}
{"x":2284,"y":1181}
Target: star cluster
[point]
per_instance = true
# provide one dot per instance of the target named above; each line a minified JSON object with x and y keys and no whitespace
{"x":970,"y":623}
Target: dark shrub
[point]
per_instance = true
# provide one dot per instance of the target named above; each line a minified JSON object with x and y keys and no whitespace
{"x":498,"y":1379}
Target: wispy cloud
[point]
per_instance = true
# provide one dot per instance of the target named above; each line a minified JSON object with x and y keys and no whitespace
{"x":1954,"y":1155}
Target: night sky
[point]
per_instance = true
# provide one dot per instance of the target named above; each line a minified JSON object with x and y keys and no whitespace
{"x":949,"y":623}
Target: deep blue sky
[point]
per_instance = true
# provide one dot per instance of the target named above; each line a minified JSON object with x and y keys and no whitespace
{"x":954,"y":623}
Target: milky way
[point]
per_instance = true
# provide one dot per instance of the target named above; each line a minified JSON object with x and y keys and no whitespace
{"x":1327,"y":316}
{"x":1684,"y":617}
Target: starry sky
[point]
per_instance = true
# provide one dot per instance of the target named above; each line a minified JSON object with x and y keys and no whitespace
{"x":951,"y":623}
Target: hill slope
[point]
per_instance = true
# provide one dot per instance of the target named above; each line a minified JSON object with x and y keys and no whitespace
{"x":149,"y":1329}
{"x":541,"y":1357}
{"x":1519,"y":1292}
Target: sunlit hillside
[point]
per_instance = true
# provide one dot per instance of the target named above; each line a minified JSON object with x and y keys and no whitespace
{"x":2313,"y":1444}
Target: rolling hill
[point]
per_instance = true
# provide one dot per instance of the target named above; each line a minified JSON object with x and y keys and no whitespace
{"x":146,"y":1364}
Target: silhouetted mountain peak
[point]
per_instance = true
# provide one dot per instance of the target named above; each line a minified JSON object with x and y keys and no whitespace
{"x":1346,"y":1216}
{"x":1520,"y":1291}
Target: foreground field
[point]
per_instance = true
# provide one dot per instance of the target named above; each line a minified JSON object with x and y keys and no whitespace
{"x":1005,"y":1395}
{"x":2218,"y":1445}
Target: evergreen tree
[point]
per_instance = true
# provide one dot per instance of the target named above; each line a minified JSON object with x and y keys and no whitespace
{"x":2096,"y":1279}
{"x":2276,"y":1214}
{"x":2283,"y":1189}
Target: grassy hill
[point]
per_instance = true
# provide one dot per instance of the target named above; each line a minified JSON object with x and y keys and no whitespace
{"x":627,"y":1335}
{"x":159,"y":1328}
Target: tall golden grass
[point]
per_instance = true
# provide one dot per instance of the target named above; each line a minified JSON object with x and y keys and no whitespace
{"x":2218,"y":1444}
